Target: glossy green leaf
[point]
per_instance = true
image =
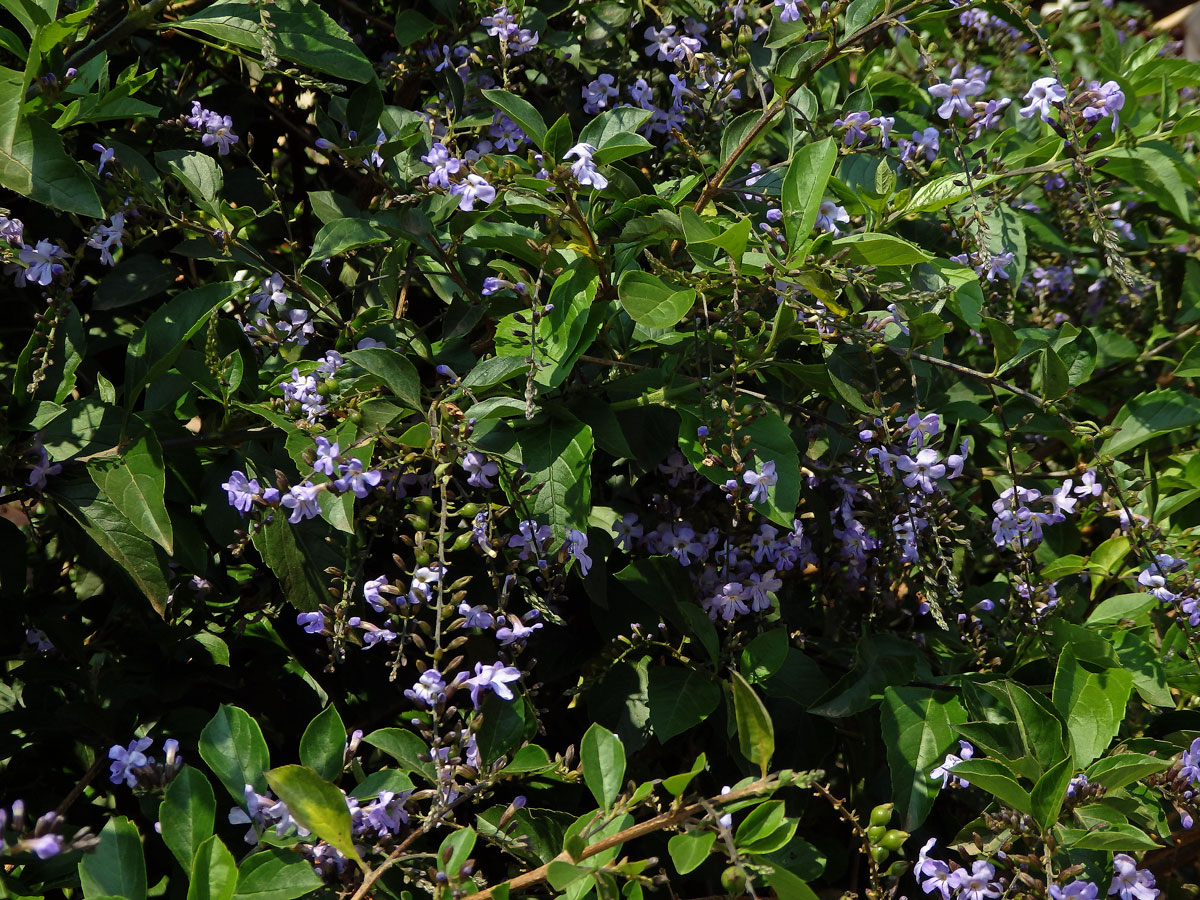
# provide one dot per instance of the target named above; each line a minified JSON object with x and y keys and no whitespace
{"x":394,"y":369}
{"x":652,"y":302}
{"x":1152,"y":414}
{"x":39,"y":168}
{"x":275,"y":874}
{"x":406,"y":748}
{"x":315,"y":804}
{"x":232,"y":745}
{"x":1093,"y":704}
{"x":187,"y":813}
{"x":558,"y":456}
{"x":690,"y":849}
{"x":603,"y":758}
{"x":867,"y":249}
{"x":804,"y":187}
{"x":117,"y":866}
{"x":323,"y":744}
{"x":342,"y":235}
{"x":755,"y":731}
{"x":521,"y":112}
{"x":680,"y":699}
{"x":1050,"y":792}
{"x":135,"y":481}
{"x":918,"y":729}
{"x":998,"y":780}
{"x":214,"y":873}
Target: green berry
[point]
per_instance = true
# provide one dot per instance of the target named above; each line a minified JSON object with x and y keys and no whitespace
{"x":733,"y":879}
{"x":882,"y":814}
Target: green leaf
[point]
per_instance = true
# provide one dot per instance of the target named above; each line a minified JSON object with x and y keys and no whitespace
{"x":135,"y":481}
{"x":1040,"y":730}
{"x":756,"y":733}
{"x":143,"y":560}
{"x":763,"y":830}
{"x":1152,"y":172}
{"x":521,"y":112}
{"x":39,"y":168}
{"x":690,"y":849}
{"x":214,"y":873}
{"x":187,"y":813}
{"x":804,"y":187}
{"x":232,"y":745}
{"x":155,"y":346}
{"x":382,"y":780}
{"x":279,"y":545}
{"x":275,"y":874}
{"x":323,"y":744}
{"x":1004,"y":342}
{"x":411,"y":27}
{"x":558,"y":455}
{"x":317,"y":805}
{"x":455,"y":850}
{"x":1109,"y":557}
{"x":197,"y":171}
{"x":397,"y":373}
{"x":1152,"y":414}
{"x":880,"y":660}
{"x":677,"y":784}
{"x":300,"y":32}
{"x":1121,"y":769}
{"x":602,"y":756}
{"x":679,"y":700}
{"x":406,"y":748}
{"x":869,"y":249}
{"x":502,"y":729}
{"x":1093,"y":703}
{"x":652,"y":302}
{"x":918,"y":728}
{"x":764,"y":655}
{"x":1122,"y":606}
{"x":786,"y":885}
{"x":613,"y":122}
{"x":1144,"y":664}
{"x":341,"y":235}
{"x":1051,"y":375}
{"x":619,"y":146}
{"x":997,"y":779}
{"x":117,"y":866}
{"x":1050,"y":792}
{"x":1115,"y":839}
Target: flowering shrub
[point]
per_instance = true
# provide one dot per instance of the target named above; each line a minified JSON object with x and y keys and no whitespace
{"x":598,"y":448}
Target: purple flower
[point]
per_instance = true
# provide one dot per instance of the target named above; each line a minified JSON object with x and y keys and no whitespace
{"x":477,"y":616}
{"x":626,"y":530}
{"x":936,"y":873}
{"x":497,"y":677}
{"x":271,"y":292}
{"x":327,"y":457}
{"x":312,"y":622}
{"x":1076,"y":890}
{"x":531,"y":535}
{"x":1130,"y":882}
{"x":789,"y":12}
{"x":596,"y":93}
{"x":479,"y":469}
{"x":302,"y":501}
{"x":443,"y":164}
{"x":954,"y":96}
{"x":923,"y":142}
{"x":760,"y":481}
{"x":421,"y":589}
{"x":662,"y":42}
{"x":107,"y":155}
{"x":584,"y":169}
{"x":854,"y":123}
{"x":356,"y":480}
{"x":475,"y":188}
{"x":1104,"y":100}
{"x":506,"y":134}
{"x":372,"y":595}
{"x":429,"y":689}
{"x":577,"y":547}
{"x":241,"y":492}
{"x":997,"y":264}
{"x":11,"y":230}
{"x":373,"y":634}
{"x":979,"y":883}
{"x":501,"y":23}
{"x":126,"y":759}
{"x":1041,"y":94}
{"x":41,"y":267}
{"x":966,"y":751}
{"x":516,"y":631}
{"x":922,"y":471}
{"x":828,"y":214}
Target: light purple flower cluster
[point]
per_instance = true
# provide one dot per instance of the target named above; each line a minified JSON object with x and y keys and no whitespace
{"x":12,"y":230}
{"x":668,"y":45}
{"x":513,"y":38}
{"x":263,"y":811}
{"x":1015,"y":524}
{"x":291,"y":326}
{"x":107,"y":238}
{"x":977,"y":883}
{"x":42,"y":842}
{"x":924,"y":143}
{"x":857,"y":125}
{"x":985,"y":25}
{"x":214,"y":128}
{"x":132,"y":766}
